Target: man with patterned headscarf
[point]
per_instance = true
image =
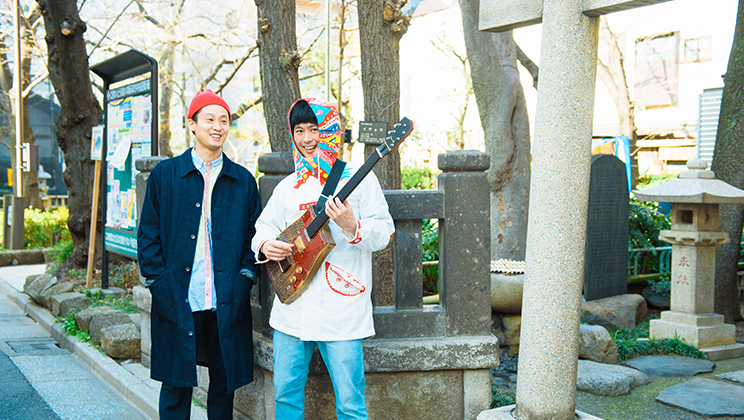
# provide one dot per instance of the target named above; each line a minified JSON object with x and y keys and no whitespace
{"x":335,"y":312}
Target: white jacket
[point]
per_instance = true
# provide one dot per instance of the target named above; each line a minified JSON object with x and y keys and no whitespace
{"x":336,"y":305}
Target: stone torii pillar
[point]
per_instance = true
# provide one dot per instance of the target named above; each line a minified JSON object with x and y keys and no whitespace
{"x":556,"y":233}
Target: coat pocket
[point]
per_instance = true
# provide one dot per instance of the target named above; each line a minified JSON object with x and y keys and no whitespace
{"x":164,"y":309}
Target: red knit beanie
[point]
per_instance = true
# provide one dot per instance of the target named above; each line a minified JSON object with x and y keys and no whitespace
{"x":205,"y":98}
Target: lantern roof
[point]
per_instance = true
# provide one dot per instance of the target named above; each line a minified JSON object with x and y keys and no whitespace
{"x":696,"y":185}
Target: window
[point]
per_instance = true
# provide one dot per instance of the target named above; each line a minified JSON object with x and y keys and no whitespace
{"x":699,"y":49}
{"x":656,"y":70}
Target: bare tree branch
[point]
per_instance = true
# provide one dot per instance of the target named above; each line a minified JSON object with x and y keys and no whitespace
{"x":529,"y":65}
{"x":237,"y":64}
{"x":111,"y":26}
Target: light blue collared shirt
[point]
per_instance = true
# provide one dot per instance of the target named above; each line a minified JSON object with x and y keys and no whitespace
{"x":197,"y":297}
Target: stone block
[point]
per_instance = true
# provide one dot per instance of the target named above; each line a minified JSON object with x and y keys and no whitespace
{"x":84,"y":317}
{"x":506,"y":293}
{"x":625,"y":311}
{"x":30,"y":279}
{"x":63,"y":303}
{"x":29,"y":256}
{"x":608,"y":380}
{"x":476,"y":391}
{"x":100,"y":323}
{"x":120,"y":341}
{"x":142,"y":299}
{"x":145,"y":338}
{"x":507,"y":328}
{"x":250,"y":400}
{"x":596,"y":344}
{"x":592,"y":319}
{"x":696,"y":330}
{"x":136,"y":319}
{"x":6,"y":258}
{"x":38,"y":285}
{"x":670,"y":365}
{"x":59,"y":288}
{"x":705,"y":397}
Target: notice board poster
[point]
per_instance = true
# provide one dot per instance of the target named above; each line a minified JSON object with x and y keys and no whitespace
{"x":128,"y":138}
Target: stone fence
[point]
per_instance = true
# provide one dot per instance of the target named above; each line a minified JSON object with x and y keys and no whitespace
{"x":432,"y":359}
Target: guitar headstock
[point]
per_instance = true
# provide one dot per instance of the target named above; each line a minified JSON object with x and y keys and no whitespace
{"x":395,"y":137}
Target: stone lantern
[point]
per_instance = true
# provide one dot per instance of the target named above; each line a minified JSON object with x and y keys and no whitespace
{"x":695,"y":198}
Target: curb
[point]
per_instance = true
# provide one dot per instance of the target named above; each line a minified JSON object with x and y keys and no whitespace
{"x":126,"y":383}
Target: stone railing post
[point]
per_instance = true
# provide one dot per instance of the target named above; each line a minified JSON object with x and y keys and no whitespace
{"x":464,"y":243}
{"x":274,"y":167}
{"x":141,"y":295}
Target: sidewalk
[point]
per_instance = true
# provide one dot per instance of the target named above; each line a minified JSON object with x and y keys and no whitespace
{"x":73,"y":379}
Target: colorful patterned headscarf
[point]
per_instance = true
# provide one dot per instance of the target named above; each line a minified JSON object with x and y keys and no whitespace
{"x":320,"y":163}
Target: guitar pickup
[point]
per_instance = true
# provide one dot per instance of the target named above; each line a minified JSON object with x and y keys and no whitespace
{"x":299,"y":244}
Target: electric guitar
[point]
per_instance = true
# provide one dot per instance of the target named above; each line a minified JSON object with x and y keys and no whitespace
{"x":311,"y":235}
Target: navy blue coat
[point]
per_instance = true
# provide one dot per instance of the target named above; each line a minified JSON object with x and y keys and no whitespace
{"x":166,"y":243}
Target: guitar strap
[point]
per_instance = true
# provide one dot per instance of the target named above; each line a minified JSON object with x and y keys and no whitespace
{"x":330,"y":185}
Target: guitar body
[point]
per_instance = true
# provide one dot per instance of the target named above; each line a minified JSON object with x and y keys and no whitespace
{"x":291,"y":276}
{"x":310,"y":235}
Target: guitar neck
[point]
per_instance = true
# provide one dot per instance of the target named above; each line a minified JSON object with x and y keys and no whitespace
{"x":345,"y":192}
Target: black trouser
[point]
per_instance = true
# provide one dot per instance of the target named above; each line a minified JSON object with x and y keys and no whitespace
{"x":175,"y":402}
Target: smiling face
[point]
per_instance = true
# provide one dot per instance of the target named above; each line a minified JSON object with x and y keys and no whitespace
{"x":306,"y":136}
{"x":210,"y":128}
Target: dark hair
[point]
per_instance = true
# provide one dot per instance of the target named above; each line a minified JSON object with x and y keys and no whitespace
{"x":301,"y":113}
{"x":195,"y":116}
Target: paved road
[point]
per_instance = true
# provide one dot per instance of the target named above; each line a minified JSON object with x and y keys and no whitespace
{"x":42,"y":381}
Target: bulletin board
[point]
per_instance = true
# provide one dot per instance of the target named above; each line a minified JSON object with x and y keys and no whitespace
{"x":128,"y":138}
{"x":130,"y":132}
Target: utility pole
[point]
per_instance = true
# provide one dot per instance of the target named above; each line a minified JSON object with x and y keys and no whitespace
{"x":18,"y":202}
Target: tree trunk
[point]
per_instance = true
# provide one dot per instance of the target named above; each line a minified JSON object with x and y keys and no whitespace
{"x":68,"y":69}
{"x":728,"y":165}
{"x":503,"y":113}
{"x":279,"y":61}
{"x":166,"y":93}
{"x":381,"y":26}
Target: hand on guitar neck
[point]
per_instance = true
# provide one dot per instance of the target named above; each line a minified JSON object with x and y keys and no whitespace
{"x":341,"y":213}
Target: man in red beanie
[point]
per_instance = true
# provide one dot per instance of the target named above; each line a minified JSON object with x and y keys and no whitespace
{"x":193,"y":246}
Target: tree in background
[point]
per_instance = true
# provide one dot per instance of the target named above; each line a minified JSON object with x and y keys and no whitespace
{"x":29,"y":50}
{"x":280,"y":61}
{"x":503,"y":114}
{"x":728,"y":165}
{"x":461,"y":95}
{"x":381,"y":26}
{"x":611,"y":70}
{"x":68,"y":69}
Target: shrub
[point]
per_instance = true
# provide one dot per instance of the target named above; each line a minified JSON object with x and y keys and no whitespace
{"x":61,"y":251}
{"x":635,"y":342}
{"x":416,"y":178}
{"x":430,"y":243}
{"x":645,"y":224}
{"x":39,"y":225}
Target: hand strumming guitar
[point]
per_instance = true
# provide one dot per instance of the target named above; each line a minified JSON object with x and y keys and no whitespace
{"x":340,"y":212}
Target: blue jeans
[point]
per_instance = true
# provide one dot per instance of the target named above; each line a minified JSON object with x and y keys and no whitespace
{"x":344,"y":360}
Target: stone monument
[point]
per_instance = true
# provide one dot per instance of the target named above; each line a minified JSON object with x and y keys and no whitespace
{"x":606,"y":272}
{"x":695,"y":198}
{"x":548,"y":358}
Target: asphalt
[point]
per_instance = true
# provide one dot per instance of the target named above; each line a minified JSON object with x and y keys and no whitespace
{"x":47,"y":375}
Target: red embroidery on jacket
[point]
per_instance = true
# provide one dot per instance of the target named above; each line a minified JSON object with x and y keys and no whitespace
{"x":342,"y":282}
{"x":306,"y":206}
